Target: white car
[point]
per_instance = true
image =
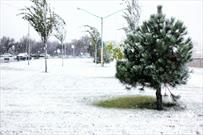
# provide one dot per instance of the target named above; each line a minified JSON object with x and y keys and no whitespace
{"x":23,"y":56}
{"x":7,"y":57}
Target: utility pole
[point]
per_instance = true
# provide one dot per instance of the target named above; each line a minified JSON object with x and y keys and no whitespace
{"x":102,"y":44}
{"x":101,"y":19}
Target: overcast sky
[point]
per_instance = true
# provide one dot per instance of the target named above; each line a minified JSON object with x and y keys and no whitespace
{"x":189,"y":11}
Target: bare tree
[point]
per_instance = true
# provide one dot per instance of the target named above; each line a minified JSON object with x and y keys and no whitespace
{"x":5,"y":44}
{"x":95,"y":38}
{"x":60,"y":33}
{"x":42,"y":19}
{"x":132,"y":15}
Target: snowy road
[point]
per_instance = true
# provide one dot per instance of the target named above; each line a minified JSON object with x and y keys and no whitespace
{"x":59,"y":102}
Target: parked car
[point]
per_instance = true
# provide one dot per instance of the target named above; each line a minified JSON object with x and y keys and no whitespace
{"x":43,"y":55}
{"x":7,"y":57}
{"x":23,"y":56}
{"x":35,"y":56}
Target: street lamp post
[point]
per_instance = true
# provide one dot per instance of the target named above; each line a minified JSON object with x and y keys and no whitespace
{"x":28,"y":44}
{"x":73,"y":50}
{"x":101,"y":19}
{"x":102,"y":44}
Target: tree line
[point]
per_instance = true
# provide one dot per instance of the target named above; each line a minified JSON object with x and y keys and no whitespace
{"x":81,"y":46}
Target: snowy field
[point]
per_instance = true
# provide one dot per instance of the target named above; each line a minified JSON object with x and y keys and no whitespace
{"x":59,"y":102}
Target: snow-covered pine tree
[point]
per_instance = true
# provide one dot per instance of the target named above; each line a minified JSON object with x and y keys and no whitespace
{"x":156,"y":55}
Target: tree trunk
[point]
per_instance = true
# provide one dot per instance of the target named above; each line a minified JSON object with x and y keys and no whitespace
{"x":45,"y":46}
{"x":159,"y":99}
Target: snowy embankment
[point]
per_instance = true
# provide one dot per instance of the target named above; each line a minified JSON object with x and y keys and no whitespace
{"x":59,"y":102}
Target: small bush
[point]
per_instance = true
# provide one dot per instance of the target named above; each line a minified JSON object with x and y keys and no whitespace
{"x":131,"y":102}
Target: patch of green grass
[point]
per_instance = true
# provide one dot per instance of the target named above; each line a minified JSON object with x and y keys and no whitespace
{"x":131,"y":102}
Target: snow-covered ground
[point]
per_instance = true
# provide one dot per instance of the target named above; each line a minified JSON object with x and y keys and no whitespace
{"x":59,"y":102}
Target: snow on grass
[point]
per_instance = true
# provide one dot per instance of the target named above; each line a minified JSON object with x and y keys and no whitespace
{"x":60,"y":102}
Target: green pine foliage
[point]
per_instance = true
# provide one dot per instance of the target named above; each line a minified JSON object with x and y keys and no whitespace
{"x":156,"y":54}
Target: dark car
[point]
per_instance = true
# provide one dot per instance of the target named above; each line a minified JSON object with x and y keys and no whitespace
{"x":35,"y":56}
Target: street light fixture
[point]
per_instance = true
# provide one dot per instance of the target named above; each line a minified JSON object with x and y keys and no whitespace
{"x":101,"y":19}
